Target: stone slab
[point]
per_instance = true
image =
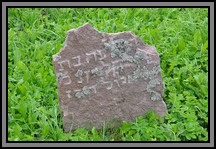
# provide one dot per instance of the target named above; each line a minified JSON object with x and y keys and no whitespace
{"x":103,"y":76}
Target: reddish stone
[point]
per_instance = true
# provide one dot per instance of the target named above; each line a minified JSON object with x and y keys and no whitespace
{"x":107,"y":76}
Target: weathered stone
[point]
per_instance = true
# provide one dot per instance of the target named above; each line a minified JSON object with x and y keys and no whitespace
{"x":104,"y":76}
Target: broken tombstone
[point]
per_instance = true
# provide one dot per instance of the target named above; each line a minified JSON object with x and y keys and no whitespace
{"x":103,"y":76}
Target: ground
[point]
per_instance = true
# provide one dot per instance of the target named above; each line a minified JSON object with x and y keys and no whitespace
{"x":180,"y":36}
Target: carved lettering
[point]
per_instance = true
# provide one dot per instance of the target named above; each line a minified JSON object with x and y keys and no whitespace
{"x":131,"y":79}
{"x":66,"y":78}
{"x":113,"y":70}
{"x":77,"y":90}
{"x":101,"y":54}
{"x":87,"y":75}
{"x":62,"y":66}
{"x":68,"y":93}
{"x":110,"y":85}
{"x":104,"y":64}
{"x":124,"y":79}
{"x":78,"y":61}
{"x":93,"y":88}
{"x":80,"y":80}
{"x":116,"y":81}
{"x":89,"y":55}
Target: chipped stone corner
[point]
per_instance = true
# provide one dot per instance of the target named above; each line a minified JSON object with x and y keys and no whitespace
{"x":56,"y":57}
{"x":84,"y":25}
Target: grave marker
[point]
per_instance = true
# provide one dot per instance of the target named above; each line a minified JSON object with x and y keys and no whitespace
{"x":106,"y":75}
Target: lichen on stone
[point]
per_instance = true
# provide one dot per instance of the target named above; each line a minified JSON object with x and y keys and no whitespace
{"x":56,"y":57}
{"x":97,"y":71}
{"x":122,"y":45}
{"x":153,"y":74}
{"x":120,"y":48}
{"x":138,"y":56}
{"x":152,"y":84}
{"x":137,"y":73}
{"x":117,"y":47}
{"x":126,"y":57}
{"x":156,"y":69}
{"x":111,"y":46}
{"x":100,"y":80}
{"x":86,"y":90}
{"x":79,"y":73}
{"x":142,"y":72}
{"x":58,"y":75}
{"x":79,"y":94}
{"x":155,"y":96}
{"x":82,"y":93}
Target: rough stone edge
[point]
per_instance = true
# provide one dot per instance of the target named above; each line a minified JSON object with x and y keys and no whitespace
{"x":56,"y":56}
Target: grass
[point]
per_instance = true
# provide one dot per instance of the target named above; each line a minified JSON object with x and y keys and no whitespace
{"x":180,"y":35}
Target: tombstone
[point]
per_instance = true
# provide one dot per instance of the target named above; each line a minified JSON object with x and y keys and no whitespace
{"x":104,"y":76}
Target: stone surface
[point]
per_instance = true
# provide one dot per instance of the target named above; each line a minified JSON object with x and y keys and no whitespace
{"x":104,"y":76}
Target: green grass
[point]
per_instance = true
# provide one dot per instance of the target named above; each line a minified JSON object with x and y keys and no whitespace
{"x":180,"y":35}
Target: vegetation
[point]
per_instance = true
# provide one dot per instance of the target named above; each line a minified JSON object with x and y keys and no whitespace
{"x":180,"y":35}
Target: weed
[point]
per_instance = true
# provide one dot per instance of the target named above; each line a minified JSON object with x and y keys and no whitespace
{"x":179,"y":35}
